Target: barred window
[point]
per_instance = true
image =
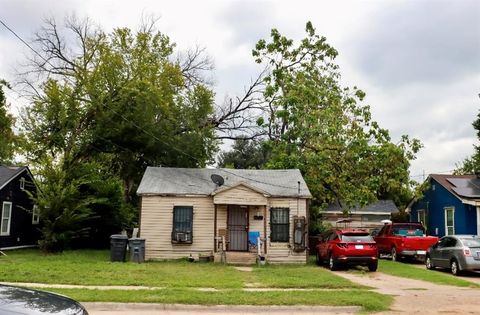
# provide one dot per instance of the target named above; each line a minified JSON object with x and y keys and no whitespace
{"x":279,"y":224}
{"x":182,"y":224}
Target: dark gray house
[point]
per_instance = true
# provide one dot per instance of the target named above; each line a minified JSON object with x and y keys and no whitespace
{"x":19,"y":219}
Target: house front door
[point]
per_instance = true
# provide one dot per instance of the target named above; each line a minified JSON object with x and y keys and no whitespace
{"x":237,"y":228}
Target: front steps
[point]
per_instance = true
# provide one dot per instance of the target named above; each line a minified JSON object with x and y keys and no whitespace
{"x":240,"y":258}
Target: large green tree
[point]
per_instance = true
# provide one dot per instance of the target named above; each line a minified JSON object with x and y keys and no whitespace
{"x":245,"y":154}
{"x":7,"y":136}
{"x":322,"y":128}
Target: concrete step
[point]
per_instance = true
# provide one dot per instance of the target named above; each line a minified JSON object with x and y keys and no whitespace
{"x":240,"y":258}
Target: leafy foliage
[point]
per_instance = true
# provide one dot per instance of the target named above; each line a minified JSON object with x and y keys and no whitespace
{"x":471,"y":165}
{"x":245,"y":154}
{"x":322,"y":128}
{"x":8,"y":138}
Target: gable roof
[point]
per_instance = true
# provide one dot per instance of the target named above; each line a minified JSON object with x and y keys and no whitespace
{"x":244,"y":184}
{"x":197,"y":181}
{"x":8,"y":173}
{"x":462,"y":186}
{"x":377,"y":207}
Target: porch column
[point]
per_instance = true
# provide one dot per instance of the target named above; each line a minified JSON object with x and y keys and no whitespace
{"x":265,"y":229}
{"x":215,"y":228}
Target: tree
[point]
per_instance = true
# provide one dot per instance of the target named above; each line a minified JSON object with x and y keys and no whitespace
{"x":7,"y":136}
{"x":245,"y":154}
{"x":118,"y":98}
{"x":471,"y":165}
{"x":322,"y":128}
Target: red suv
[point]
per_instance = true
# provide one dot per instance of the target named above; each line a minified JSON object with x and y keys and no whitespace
{"x":347,"y":247}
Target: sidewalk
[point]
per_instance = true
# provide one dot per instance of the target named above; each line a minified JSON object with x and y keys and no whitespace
{"x":180,"y":309}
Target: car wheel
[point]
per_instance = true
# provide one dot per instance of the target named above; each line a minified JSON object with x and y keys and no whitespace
{"x":372,"y":267}
{"x":454,"y":267}
{"x":332,"y":264}
{"x":393,"y":253}
{"x":318,"y":260}
{"x":429,"y":263}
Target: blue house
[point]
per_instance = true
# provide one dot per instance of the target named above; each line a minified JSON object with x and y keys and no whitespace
{"x":451,"y":205}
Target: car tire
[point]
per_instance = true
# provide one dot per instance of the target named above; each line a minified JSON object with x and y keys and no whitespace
{"x":429,"y":263}
{"x":332,"y":264}
{"x":455,"y":268}
{"x":394,"y":254}
{"x":373,"y":267}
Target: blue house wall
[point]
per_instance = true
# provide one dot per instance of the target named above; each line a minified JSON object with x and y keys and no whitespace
{"x":434,"y":202}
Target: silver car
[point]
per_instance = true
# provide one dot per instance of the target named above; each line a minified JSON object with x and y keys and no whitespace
{"x":457,"y":252}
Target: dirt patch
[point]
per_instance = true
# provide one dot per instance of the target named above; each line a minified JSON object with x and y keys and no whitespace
{"x":416,"y":296}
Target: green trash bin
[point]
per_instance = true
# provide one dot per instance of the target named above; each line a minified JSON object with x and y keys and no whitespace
{"x":118,"y":247}
{"x":137,"y":249}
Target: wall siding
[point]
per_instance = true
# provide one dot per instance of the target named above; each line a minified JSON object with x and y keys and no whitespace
{"x":240,"y":195}
{"x":157,"y":217}
{"x":156,"y":227}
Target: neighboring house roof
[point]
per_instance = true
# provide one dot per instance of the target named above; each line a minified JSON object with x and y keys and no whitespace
{"x":197,"y":181}
{"x":8,"y":173}
{"x":377,"y":207}
{"x":464,"y":187}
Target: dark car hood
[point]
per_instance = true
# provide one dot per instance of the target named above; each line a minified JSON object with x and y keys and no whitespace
{"x":15,"y":301}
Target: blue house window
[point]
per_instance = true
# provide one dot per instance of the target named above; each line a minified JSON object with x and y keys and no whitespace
{"x":182,"y":224}
{"x":449,"y":221}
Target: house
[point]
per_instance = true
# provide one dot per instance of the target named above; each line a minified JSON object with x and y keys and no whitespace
{"x":227,"y":213}
{"x":450,"y":205}
{"x":19,"y":217}
{"x":368,"y":217}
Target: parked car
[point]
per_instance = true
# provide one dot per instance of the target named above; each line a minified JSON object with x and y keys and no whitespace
{"x":14,"y":300}
{"x":401,"y":240}
{"x":341,"y":248}
{"x":457,"y":252}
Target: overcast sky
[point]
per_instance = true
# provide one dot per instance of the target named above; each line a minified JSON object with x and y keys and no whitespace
{"x":418,"y":61}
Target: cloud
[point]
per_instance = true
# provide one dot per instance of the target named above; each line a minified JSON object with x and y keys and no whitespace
{"x":429,"y":41}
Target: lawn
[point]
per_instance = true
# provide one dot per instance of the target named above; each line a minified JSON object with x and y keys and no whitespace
{"x":406,"y":270}
{"x":178,"y":281}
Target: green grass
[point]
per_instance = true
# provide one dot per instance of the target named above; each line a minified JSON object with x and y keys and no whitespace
{"x":291,"y":276}
{"x":369,"y":301}
{"x":410,"y":271}
{"x":90,"y":267}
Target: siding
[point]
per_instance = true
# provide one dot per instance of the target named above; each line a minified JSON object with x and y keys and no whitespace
{"x":240,"y":195}
{"x":156,"y":227}
{"x":283,"y":252}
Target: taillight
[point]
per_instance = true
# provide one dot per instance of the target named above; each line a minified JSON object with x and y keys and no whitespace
{"x":342,"y":245}
{"x":467,"y":252}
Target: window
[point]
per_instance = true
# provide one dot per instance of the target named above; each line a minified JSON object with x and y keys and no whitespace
{"x":182,"y":224}
{"x":450,"y":242}
{"x":22,"y":183}
{"x":449,"y":221}
{"x":6,"y":218}
{"x":421,"y":216}
{"x":279,"y":224}
{"x":35,"y":215}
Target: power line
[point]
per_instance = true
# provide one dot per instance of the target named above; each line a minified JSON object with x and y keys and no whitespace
{"x":136,"y":125}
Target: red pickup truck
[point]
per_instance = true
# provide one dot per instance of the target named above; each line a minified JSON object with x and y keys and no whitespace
{"x":404,"y":240}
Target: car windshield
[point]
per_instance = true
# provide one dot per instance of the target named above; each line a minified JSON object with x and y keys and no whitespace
{"x":408,"y":230}
{"x":471,"y":242}
{"x":357,"y":237}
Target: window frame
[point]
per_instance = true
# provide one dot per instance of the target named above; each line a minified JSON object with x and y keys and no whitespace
{"x":187,"y":230}
{"x":22,"y":183}
{"x":421,"y":215}
{"x":9,"y":219}
{"x":273,"y":237}
{"x":446,"y":209}
{"x":35,"y":215}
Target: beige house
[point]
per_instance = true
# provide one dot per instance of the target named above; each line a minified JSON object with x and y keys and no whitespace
{"x":236,"y":216}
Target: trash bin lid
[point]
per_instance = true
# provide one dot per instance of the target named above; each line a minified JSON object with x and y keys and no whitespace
{"x":118,"y":237}
{"x":136,"y":239}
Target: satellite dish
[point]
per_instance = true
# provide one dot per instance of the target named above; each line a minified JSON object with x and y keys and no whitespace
{"x":217,"y":179}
